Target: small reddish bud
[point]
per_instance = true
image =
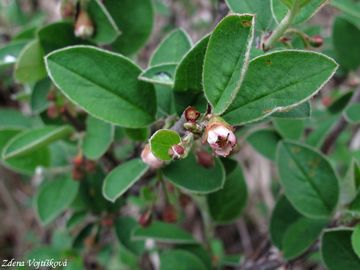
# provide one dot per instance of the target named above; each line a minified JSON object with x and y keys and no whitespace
{"x":316,"y":41}
{"x":51,"y":96}
{"x":84,"y":27}
{"x":184,"y":200}
{"x":145,"y":219}
{"x":191,"y":114}
{"x":90,"y":166}
{"x":169,"y":214}
{"x":107,"y":222}
{"x":284,"y":39}
{"x":176,"y":151}
{"x":326,"y":101}
{"x":78,"y":160}
{"x":52,"y":111}
{"x":205,"y":159}
{"x":77,"y":174}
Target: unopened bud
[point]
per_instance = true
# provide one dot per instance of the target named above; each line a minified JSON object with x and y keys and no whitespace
{"x":52,"y":111}
{"x":149,"y":158}
{"x":316,"y":41}
{"x":169,"y":214}
{"x":145,"y":219}
{"x":184,"y":200}
{"x":51,"y":96}
{"x":77,"y":173}
{"x":176,"y":151}
{"x":205,"y":159}
{"x":107,"y":222}
{"x":326,"y":101}
{"x":191,"y":114}
{"x":78,"y":160}
{"x":84,"y":27}
{"x":90,"y":166}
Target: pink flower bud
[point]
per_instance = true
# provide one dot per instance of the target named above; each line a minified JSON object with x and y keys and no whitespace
{"x":316,"y":41}
{"x":84,"y":27}
{"x":148,"y":157}
{"x":220,"y":137}
{"x":205,"y":159}
{"x":176,"y":151}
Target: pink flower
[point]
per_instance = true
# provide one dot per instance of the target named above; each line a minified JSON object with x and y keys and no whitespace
{"x":148,"y":157}
{"x":220,"y":137}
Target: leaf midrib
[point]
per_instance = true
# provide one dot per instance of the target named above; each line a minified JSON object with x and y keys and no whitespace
{"x":308,"y":178}
{"x":272,"y":93}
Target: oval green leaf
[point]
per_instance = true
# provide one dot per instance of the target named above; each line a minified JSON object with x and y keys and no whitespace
{"x":98,"y":138}
{"x":355,"y":240}
{"x":123,"y":227}
{"x":134,"y":18}
{"x":264,"y":141}
{"x":34,"y":139}
{"x":226,"y":60}
{"x":10,"y":53}
{"x":161,"y":142}
{"x":164,"y":233}
{"x":54,"y":197}
{"x":106,"y":30}
{"x":172,"y":48}
{"x":120,"y":179}
{"x":180,"y":260}
{"x":227,"y":204}
{"x":191,"y":176}
{"x":188,"y":74}
{"x":108,"y":90}
{"x":288,"y":84}
{"x":310,"y":183}
{"x":352,"y":113}
{"x":337,"y":252}
{"x":30,"y":65}
{"x":287,"y":224}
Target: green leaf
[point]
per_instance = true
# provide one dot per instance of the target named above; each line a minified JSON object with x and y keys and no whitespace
{"x":262,"y":9}
{"x":287,"y":224}
{"x":337,"y":252}
{"x":355,"y":240}
{"x":299,"y":112}
{"x":162,"y":74}
{"x":289,"y":128}
{"x":308,"y":10}
{"x":264,"y":141}
{"x":162,"y":141}
{"x":98,"y":138}
{"x":10,"y":52}
{"x":173,"y":47}
{"x":188,"y":74}
{"x":141,"y":134}
{"x":123,"y":228}
{"x":346,"y":41}
{"x":30,"y":66}
{"x":227,"y":204}
{"x":31,"y":140}
{"x":352,"y":113}
{"x":120,"y":179}
{"x":57,"y":36}
{"x":288,"y":84}
{"x":350,"y":184}
{"x":134,"y":18}
{"x":189,"y":175}
{"x":10,"y":118}
{"x":6,"y":134}
{"x":349,"y":7}
{"x":226,"y":60}
{"x":106,"y":30}
{"x":108,"y":90}
{"x":164,"y":233}
{"x":180,"y":260}
{"x":310,"y":183}
{"x":38,"y":101}
{"x":54,"y":197}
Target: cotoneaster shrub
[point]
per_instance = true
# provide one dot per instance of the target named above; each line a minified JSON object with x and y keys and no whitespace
{"x":120,"y":153}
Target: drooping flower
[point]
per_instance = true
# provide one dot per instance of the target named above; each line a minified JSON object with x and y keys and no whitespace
{"x":84,"y":27}
{"x":148,"y":157}
{"x":220,"y":136}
